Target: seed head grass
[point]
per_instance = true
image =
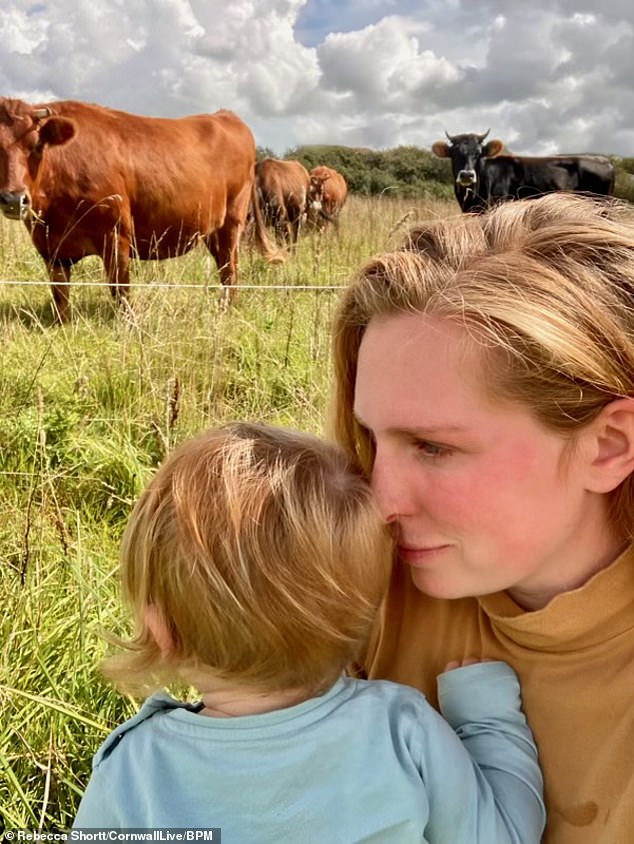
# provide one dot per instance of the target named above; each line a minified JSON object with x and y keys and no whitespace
{"x":90,"y":409}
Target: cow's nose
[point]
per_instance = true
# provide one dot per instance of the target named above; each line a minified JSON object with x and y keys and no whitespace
{"x":466,"y":178}
{"x":14,"y":205}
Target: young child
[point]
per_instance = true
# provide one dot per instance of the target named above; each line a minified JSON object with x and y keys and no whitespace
{"x":255,"y":562}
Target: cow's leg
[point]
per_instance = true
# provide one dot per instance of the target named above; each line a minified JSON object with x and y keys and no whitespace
{"x":59,"y":275}
{"x":116,"y":259}
{"x":291,"y":232}
{"x":223,"y":245}
{"x":295,"y":225}
{"x":280,"y":228}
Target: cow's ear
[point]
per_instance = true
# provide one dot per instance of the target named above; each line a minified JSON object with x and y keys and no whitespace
{"x":57,"y":131}
{"x":441,"y":149}
{"x":493,"y":148}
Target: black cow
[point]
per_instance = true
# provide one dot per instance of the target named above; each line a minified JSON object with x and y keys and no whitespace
{"x":483,"y":177}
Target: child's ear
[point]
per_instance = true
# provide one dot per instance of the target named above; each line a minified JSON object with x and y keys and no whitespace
{"x":612,"y":444}
{"x":157,"y":626}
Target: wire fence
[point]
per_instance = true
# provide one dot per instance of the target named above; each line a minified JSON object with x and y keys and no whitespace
{"x":171,"y":285}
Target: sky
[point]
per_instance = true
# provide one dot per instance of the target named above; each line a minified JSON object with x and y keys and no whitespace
{"x":549,"y":76}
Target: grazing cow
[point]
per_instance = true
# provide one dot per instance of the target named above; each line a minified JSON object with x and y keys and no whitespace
{"x":89,"y":180}
{"x":283,"y":192}
{"x":483,"y":177}
{"x":328,"y":194}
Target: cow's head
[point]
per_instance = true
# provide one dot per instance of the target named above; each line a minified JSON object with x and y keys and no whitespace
{"x":316,"y":190}
{"x":466,"y":152}
{"x":25,"y":133}
{"x":315,"y":206}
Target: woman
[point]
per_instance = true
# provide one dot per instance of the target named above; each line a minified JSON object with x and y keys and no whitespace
{"x":485,"y":380}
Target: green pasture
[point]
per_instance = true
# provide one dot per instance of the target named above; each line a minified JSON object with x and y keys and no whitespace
{"x":88,"y":412}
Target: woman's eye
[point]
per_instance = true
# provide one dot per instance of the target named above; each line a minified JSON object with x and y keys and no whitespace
{"x":431,"y":449}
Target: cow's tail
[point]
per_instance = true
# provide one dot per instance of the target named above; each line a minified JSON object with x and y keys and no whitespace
{"x":265,"y":245}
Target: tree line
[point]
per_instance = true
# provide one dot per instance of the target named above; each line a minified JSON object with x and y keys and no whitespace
{"x":409,"y":172}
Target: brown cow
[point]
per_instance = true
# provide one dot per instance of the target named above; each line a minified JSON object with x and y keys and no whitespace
{"x":89,"y":180}
{"x":328,"y":194}
{"x":283,"y":189}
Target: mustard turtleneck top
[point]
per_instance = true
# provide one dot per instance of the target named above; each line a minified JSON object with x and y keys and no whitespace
{"x":575,"y":660}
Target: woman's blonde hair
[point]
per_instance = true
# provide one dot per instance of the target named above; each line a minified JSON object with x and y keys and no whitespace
{"x":262,"y":550}
{"x":546,"y":286}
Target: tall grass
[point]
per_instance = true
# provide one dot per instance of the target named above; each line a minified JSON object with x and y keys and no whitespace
{"x":89,"y":410}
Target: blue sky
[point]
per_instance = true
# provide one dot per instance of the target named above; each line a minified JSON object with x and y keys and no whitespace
{"x":551,"y":76}
{"x":316,"y":18}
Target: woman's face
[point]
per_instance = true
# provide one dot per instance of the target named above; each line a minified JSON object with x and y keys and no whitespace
{"x":482,"y":496}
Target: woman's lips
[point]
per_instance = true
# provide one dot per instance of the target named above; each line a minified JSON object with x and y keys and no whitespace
{"x":420,"y":556}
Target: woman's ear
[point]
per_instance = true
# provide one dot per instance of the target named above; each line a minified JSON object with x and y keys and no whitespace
{"x":157,"y":626}
{"x":612,"y":443}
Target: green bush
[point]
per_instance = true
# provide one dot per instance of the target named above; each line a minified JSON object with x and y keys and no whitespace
{"x":406,"y":172}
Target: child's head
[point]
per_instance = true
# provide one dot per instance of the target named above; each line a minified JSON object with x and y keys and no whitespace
{"x":262,"y":551}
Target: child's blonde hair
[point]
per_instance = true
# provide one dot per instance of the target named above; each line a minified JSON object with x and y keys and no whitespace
{"x":263,"y":552}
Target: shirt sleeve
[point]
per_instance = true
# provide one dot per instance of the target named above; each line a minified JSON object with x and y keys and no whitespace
{"x":482,"y":777}
{"x":97,"y":809}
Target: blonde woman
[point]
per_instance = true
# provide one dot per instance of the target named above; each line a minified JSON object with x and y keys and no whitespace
{"x":485,"y":380}
{"x":254,"y":564}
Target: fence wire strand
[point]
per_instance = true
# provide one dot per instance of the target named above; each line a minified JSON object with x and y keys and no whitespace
{"x":172,"y":285}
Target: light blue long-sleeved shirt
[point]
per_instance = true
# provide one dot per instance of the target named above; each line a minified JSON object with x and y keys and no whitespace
{"x":365,"y":762}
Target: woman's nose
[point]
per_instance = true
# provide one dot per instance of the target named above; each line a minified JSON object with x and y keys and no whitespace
{"x":389,"y":487}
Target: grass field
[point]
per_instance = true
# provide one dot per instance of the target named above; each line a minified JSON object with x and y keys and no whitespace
{"x":89,"y":410}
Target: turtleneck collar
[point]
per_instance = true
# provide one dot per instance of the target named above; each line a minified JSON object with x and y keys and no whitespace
{"x":604,"y":605}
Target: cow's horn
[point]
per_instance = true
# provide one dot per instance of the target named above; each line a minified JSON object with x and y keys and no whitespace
{"x":449,"y":138}
{"x":483,"y":135}
{"x":41,"y":113}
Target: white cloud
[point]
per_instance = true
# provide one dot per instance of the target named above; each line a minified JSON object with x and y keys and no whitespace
{"x":383,"y":64}
{"x":20,"y":33}
{"x":377,"y":73}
